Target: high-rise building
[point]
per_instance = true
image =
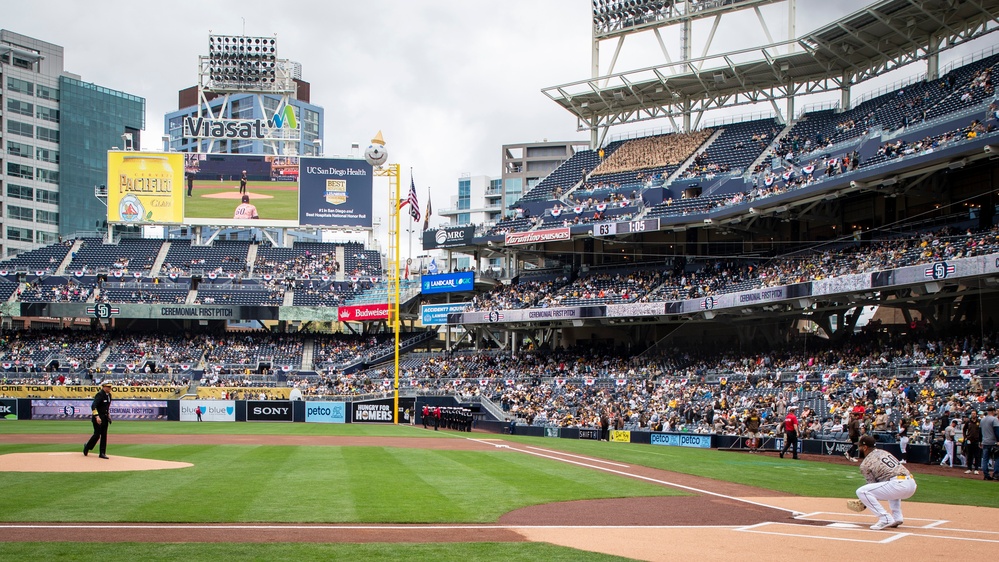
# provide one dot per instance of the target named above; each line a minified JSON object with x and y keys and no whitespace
{"x":57,"y":130}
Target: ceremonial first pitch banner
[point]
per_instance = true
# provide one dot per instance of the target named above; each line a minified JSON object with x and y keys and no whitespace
{"x":80,"y":409}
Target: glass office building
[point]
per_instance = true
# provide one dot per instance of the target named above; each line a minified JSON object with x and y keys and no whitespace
{"x":94,"y":119}
{"x":56,"y":133}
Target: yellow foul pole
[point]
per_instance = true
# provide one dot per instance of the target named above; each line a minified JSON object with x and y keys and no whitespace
{"x":391,"y":171}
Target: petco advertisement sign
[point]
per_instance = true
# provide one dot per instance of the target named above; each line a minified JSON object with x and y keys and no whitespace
{"x":325,"y":412}
{"x":211,"y":410}
{"x":682,"y":440}
{"x":268,"y":410}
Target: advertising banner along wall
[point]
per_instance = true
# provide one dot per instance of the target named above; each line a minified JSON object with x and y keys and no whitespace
{"x":380,"y":411}
{"x":449,"y":237}
{"x":211,"y":410}
{"x":8,"y":409}
{"x":363,"y":312}
{"x":325,"y":412}
{"x":448,"y":282}
{"x":269,"y":410}
{"x":436,"y":314}
{"x":80,"y":409}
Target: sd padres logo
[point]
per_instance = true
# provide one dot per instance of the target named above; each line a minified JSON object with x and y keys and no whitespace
{"x":708,"y":303}
{"x":939,"y":270}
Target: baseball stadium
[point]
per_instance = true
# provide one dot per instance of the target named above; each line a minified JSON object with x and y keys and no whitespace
{"x":741,"y":338}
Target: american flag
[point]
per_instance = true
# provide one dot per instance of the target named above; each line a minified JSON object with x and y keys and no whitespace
{"x":412,"y":201}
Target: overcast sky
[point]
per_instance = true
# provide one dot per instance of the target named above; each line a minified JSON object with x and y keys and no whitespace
{"x":448,"y":82}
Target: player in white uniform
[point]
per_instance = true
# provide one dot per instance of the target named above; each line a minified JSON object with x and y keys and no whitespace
{"x":887,"y":479}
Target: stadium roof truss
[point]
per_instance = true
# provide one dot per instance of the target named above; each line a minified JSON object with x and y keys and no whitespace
{"x":879,"y":38}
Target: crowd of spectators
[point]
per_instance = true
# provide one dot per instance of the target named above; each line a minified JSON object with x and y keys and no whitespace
{"x":324,"y":263}
{"x":652,"y":152}
{"x":697,"y":279}
{"x":912,"y":378}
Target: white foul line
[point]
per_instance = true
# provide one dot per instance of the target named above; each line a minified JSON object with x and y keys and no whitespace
{"x":578,"y":457}
{"x":637,"y":476}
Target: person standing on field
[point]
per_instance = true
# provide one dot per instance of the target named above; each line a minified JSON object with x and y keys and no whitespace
{"x":790,"y":433}
{"x":100,"y":417}
{"x":972,"y":442}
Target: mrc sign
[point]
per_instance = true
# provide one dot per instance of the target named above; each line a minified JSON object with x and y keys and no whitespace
{"x":202,"y":127}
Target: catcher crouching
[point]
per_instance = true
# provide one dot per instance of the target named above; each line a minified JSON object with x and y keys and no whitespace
{"x":887,"y":479}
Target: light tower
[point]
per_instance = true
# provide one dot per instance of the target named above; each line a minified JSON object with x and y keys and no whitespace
{"x":245,"y":65}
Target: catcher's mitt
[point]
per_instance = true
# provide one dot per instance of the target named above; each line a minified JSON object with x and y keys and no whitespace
{"x":855,"y":505}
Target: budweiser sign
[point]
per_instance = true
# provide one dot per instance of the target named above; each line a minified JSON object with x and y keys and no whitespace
{"x":363,"y":312}
{"x":537,"y":236}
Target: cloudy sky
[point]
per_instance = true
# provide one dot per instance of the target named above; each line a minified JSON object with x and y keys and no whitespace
{"x":448,"y":82}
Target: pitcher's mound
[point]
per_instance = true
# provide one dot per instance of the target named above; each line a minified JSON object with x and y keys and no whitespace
{"x":76,"y":462}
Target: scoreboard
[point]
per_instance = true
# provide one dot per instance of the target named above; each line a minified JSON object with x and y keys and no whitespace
{"x":628,"y":227}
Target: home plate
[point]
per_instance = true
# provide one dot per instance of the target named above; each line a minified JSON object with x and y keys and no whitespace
{"x":76,"y":462}
{"x":843,"y":526}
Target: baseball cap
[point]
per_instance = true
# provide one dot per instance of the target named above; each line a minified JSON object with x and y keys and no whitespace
{"x":867,"y":440}
{"x":106,"y":383}
{"x":246,"y":199}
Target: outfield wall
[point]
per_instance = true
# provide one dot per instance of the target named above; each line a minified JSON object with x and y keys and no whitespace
{"x":380,"y":411}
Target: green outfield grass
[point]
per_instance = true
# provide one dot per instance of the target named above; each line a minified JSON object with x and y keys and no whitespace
{"x":466,"y":552}
{"x":84,"y":427}
{"x":806,"y":478}
{"x":803,"y":478}
{"x":283,"y":206}
{"x":371,"y":484}
{"x":251,"y":483}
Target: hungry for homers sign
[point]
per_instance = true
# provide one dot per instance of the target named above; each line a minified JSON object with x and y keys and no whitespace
{"x":380,"y":411}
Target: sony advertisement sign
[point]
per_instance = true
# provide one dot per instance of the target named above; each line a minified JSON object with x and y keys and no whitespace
{"x":268,"y":410}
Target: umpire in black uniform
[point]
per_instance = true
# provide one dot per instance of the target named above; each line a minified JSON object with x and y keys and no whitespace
{"x":100,"y":416}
